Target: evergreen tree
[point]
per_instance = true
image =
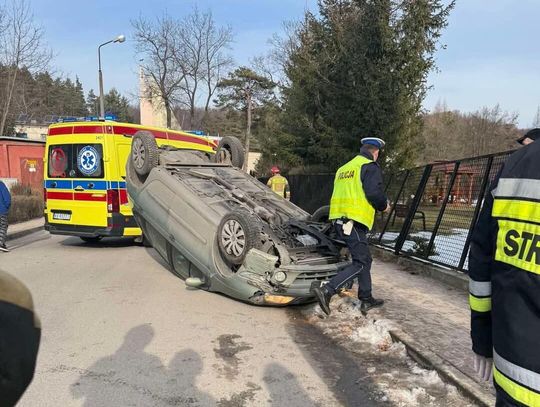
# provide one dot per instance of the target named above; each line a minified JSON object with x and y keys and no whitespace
{"x":118,"y":105}
{"x":245,"y":90}
{"x":92,"y":103}
{"x":360,"y":70}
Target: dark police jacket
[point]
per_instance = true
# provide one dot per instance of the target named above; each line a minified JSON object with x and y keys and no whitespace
{"x":372,"y":182}
{"x":504,"y":271}
{"x":19,"y":339}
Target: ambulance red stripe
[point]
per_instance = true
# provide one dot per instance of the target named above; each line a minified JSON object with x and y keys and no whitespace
{"x":60,"y":195}
{"x":89,"y":197}
{"x":121,"y":130}
{"x":60,"y":131}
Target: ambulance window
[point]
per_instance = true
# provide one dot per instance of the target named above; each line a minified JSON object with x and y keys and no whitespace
{"x":76,"y":161}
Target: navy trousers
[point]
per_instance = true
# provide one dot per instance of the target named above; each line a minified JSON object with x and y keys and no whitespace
{"x":361,"y":261}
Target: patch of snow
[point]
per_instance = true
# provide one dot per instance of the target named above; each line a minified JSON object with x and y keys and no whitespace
{"x":400,"y":380}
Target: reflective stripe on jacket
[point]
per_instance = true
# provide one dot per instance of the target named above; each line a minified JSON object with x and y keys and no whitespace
{"x":505,"y":278}
{"x":348,"y":198}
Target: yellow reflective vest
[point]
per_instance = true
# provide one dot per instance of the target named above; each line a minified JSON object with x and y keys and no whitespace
{"x":279,"y":184}
{"x":348,"y":198}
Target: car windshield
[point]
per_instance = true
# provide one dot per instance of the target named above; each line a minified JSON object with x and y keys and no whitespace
{"x":76,"y":161}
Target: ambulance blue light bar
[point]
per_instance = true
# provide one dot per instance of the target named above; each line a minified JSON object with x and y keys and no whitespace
{"x":196,"y":132}
{"x":110,"y":117}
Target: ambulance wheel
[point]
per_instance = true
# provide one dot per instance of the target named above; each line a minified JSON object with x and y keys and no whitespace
{"x":144,"y":152}
{"x":93,"y":239}
{"x":230,"y":151}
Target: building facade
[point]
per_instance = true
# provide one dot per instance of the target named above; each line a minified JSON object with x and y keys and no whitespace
{"x":21,"y":161}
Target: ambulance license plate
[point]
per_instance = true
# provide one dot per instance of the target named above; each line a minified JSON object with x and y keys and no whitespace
{"x":61,"y":216}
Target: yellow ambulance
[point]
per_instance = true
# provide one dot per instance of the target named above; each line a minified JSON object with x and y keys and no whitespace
{"x":84,"y":176}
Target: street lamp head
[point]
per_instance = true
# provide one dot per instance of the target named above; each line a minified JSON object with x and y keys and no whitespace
{"x":120,"y":38}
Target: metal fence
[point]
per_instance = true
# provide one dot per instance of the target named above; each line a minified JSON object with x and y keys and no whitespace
{"x":435,"y":208}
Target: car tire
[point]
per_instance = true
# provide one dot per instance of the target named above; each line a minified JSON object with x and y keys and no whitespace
{"x":238,"y":233}
{"x":230,"y":150}
{"x":321,"y":215}
{"x":91,"y":239}
{"x":144,"y":152}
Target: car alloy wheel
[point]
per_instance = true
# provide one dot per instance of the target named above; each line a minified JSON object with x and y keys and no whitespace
{"x":233,"y":238}
{"x":138,"y":153}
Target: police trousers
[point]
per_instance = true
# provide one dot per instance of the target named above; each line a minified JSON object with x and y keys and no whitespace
{"x":3,"y":229}
{"x":361,"y":261}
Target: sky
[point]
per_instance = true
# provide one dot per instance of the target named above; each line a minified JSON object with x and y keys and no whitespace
{"x":491,"y":53}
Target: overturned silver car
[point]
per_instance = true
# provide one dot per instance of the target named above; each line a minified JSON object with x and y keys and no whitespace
{"x":224,"y":231}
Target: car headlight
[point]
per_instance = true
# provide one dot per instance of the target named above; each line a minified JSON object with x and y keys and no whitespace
{"x":280,"y":276}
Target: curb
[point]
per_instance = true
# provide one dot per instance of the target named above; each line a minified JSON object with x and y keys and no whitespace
{"x":449,"y":277}
{"x":448,"y":372}
{"x":23,"y":233}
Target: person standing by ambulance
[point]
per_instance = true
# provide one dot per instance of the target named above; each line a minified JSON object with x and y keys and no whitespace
{"x":358,"y":194}
{"x":279,"y":184}
{"x":5,"y":204}
{"x":504,"y":280}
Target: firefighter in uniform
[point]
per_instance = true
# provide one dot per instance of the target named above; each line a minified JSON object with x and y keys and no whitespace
{"x":358,"y":194}
{"x":279,"y":184}
{"x":19,"y":339}
{"x":504,"y":285}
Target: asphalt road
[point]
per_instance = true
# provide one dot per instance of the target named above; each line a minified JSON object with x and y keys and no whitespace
{"x":120,"y":330}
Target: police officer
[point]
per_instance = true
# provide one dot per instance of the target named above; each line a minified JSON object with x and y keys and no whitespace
{"x":19,"y":339}
{"x":279,"y":184}
{"x":358,"y":193}
{"x":504,"y":285}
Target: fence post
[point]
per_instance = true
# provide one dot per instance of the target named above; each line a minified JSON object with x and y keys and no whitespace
{"x":485,"y":182}
{"x":443,"y":209}
{"x":412,"y":210}
{"x":407,"y":172}
{"x":390,"y":178}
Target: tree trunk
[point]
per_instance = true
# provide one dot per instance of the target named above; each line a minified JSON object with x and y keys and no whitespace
{"x":11,"y":86}
{"x":248,"y":132}
{"x":168,"y":113}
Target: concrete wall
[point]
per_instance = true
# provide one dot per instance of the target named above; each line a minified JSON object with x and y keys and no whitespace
{"x":22,"y":161}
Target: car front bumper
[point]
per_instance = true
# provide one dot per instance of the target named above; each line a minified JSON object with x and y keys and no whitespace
{"x":295,"y":281}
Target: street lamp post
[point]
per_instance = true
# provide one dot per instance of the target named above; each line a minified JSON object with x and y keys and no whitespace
{"x":120,"y":38}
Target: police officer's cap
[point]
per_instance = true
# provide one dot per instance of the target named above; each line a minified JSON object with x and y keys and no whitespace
{"x":533,"y":134}
{"x":374,"y":141}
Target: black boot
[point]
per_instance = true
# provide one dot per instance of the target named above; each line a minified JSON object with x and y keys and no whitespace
{"x":323,"y":296}
{"x":4,"y":248}
{"x":369,"y":303}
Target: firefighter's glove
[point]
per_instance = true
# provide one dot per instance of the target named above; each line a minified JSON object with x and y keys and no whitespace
{"x":483,"y":367}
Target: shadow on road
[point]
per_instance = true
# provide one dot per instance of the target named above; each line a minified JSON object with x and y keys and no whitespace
{"x":112,"y":242}
{"x":134,"y":377}
{"x":284,"y":388}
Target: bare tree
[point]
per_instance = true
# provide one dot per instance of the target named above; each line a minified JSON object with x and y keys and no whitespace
{"x":158,"y":42}
{"x":536,"y":121}
{"x":202,"y":54}
{"x":23,"y":46}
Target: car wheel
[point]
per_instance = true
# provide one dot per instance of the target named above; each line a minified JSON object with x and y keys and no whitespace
{"x":144,"y":152}
{"x":238,"y":233}
{"x":231,"y":151}
{"x":321,"y":215}
{"x":93,"y":239}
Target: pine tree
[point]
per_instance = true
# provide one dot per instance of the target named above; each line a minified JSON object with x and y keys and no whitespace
{"x":92,"y":103}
